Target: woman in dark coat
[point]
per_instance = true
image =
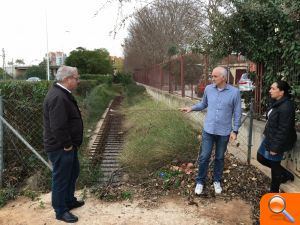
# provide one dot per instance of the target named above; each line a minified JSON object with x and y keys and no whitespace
{"x":280,"y":134}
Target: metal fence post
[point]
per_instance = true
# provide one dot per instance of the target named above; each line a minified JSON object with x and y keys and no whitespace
{"x":1,"y":143}
{"x":182,"y":77}
{"x":250,"y":131}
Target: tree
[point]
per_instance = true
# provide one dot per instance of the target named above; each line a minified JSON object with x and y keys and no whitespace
{"x":90,"y":61}
{"x":19,"y":62}
{"x":265,"y":31}
{"x":118,"y":64}
{"x":37,"y":71}
{"x":162,"y":28}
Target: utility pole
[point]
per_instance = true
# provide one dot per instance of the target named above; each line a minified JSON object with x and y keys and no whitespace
{"x":47,"y":56}
{"x":3,"y":58}
{"x":12,"y":68}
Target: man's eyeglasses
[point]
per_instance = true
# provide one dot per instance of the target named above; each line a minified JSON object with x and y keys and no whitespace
{"x":76,"y":78}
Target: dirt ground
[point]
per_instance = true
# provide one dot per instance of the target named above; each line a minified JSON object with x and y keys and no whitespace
{"x":166,"y":211}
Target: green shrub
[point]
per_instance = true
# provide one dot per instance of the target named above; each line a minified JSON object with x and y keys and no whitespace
{"x":84,"y":87}
{"x":24,"y":91}
{"x":100,"y":78}
{"x":123,"y":78}
{"x":23,"y":110}
{"x":7,"y":194}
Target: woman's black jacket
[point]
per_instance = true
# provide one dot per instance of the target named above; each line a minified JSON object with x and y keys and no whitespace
{"x":280,"y":130}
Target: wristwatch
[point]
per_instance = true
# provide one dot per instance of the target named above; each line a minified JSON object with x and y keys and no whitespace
{"x":236,"y":132}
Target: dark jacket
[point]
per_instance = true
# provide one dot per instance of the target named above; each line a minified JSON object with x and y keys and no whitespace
{"x":280,"y":130}
{"x":63,"y":125}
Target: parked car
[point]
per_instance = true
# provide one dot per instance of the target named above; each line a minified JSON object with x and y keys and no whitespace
{"x":33,"y":79}
{"x":199,"y":89}
{"x":245,"y":84}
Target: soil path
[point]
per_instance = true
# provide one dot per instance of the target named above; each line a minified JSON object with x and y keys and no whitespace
{"x":166,"y":211}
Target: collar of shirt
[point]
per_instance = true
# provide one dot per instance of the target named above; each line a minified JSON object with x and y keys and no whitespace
{"x":226,"y":86}
{"x":63,"y":87}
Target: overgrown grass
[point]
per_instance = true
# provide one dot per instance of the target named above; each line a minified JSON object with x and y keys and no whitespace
{"x":97,"y":101}
{"x":157,"y":135}
{"x":134,"y":94}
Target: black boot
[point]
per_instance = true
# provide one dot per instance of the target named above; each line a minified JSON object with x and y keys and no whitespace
{"x":274,"y":187}
{"x":286,"y":176}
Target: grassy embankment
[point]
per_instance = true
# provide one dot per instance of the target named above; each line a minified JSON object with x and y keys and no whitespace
{"x":156,"y":135}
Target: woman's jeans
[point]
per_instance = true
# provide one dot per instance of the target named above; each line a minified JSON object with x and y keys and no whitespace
{"x":208,"y":141}
{"x":278,"y":173}
{"x":64,"y":175}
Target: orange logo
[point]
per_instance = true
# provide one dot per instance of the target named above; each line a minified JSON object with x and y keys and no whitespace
{"x":280,"y":209}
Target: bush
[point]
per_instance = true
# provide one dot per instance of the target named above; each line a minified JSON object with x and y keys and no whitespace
{"x":23,"y":107}
{"x":100,"y":78}
{"x":123,"y":78}
{"x":6,"y":195}
{"x":85,"y":87}
{"x":24,"y":91}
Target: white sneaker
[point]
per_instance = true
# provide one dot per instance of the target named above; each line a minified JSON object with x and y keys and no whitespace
{"x":218,"y":188}
{"x":199,"y":189}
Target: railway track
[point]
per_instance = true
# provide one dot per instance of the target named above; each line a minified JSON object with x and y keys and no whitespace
{"x":108,"y":144}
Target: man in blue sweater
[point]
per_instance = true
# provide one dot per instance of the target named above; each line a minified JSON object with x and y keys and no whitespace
{"x":222,"y":121}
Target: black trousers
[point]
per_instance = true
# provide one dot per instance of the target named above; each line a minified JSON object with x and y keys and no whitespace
{"x":64,"y":175}
{"x":278,"y":173}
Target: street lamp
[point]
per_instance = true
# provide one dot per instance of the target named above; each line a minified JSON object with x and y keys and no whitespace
{"x":47,"y":56}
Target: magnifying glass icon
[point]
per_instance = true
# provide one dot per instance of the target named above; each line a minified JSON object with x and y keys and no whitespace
{"x":277,"y":205}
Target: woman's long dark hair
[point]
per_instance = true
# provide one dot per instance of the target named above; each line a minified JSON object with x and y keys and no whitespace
{"x":284,"y":86}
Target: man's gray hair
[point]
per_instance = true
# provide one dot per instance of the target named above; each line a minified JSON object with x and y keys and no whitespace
{"x":65,"y":71}
{"x":223,"y":71}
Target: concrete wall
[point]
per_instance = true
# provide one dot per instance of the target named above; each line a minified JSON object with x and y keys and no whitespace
{"x":292,"y":160}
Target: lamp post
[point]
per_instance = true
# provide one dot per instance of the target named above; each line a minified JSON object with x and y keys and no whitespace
{"x":47,"y":55}
{"x":67,"y":46}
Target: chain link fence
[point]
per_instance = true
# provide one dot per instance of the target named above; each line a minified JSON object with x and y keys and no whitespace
{"x":20,"y":164}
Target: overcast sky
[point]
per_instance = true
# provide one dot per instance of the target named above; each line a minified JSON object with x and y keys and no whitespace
{"x":71,"y":23}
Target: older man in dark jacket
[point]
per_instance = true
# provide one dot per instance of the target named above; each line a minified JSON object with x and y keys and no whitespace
{"x":63,"y":131}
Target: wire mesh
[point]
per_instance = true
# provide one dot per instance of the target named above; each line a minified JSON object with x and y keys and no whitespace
{"x":20,"y":164}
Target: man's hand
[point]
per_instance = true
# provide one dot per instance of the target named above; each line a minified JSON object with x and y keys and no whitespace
{"x":186,"y":109}
{"x":69,"y":149}
{"x":273,"y":153}
{"x":233,"y":136}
